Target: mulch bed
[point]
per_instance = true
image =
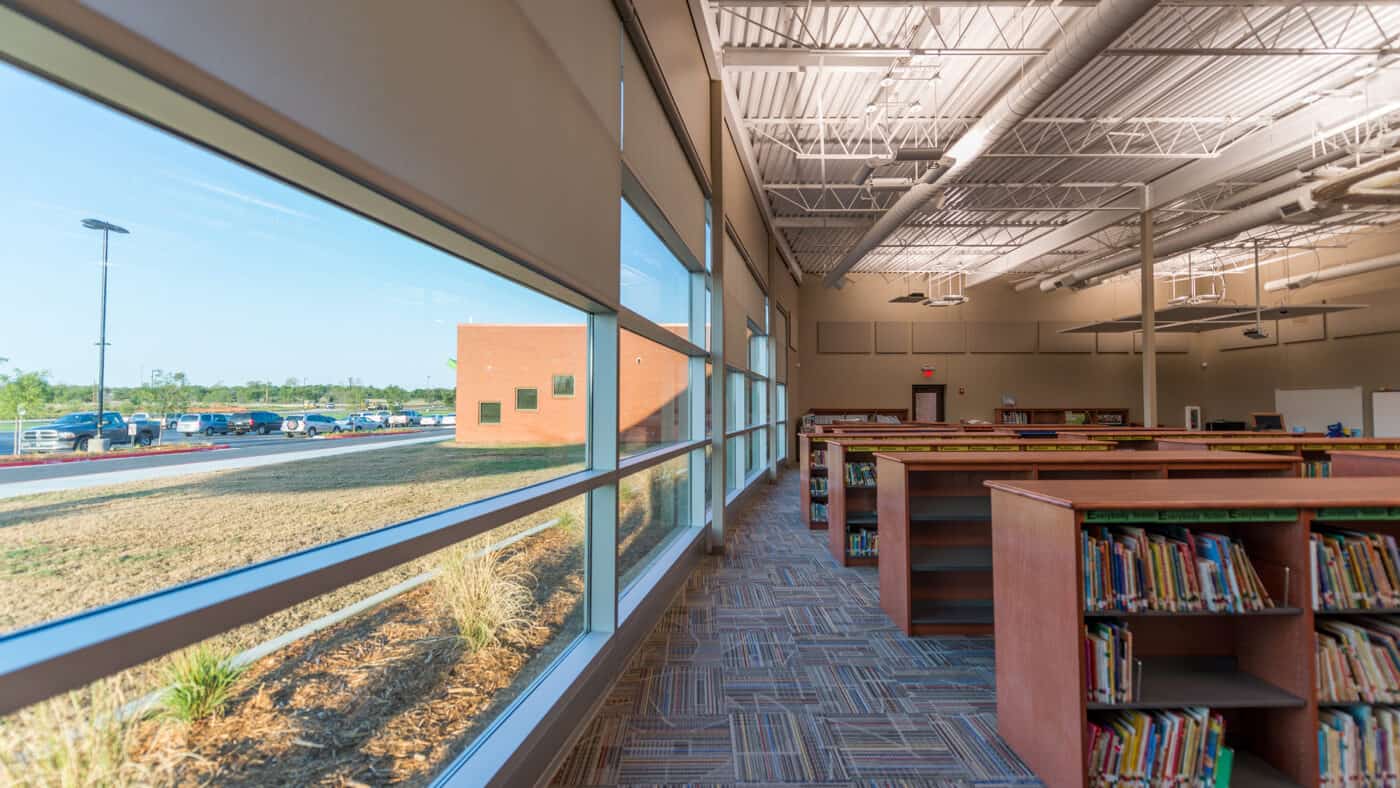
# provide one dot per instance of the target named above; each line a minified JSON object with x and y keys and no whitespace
{"x":22,"y":460}
{"x":389,"y":697}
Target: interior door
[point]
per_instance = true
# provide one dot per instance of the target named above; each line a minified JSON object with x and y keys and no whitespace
{"x":928,"y":402}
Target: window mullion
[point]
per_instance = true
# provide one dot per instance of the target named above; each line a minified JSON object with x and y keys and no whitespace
{"x":601,"y":579}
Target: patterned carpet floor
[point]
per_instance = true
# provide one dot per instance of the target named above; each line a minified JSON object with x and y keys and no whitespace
{"x":776,"y":666}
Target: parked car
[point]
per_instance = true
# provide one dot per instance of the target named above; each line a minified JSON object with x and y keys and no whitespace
{"x":206,"y":423}
{"x":429,"y":420}
{"x":380,"y":417}
{"x":172,"y":421}
{"x":406,"y":418}
{"x":74,"y":431}
{"x":447,"y":420}
{"x":308,"y":424}
{"x":140,"y":415}
{"x":357,"y":422}
{"x":260,"y":421}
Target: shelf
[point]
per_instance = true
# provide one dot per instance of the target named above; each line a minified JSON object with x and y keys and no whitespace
{"x":1359,"y":611}
{"x":1175,"y":682}
{"x":1342,"y":704}
{"x":969,"y":612}
{"x":862,"y":560}
{"x":1250,"y":771}
{"x":931,"y":509}
{"x":951,"y":559}
{"x":1272,"y":611}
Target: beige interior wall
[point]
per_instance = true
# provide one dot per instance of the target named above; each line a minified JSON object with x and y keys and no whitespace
{"x":1228,"y":384}
{"x":676,"y":44}
{"x":1237,"y":382}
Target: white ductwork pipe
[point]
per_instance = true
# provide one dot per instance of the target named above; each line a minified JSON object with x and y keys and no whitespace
{"x":1335,"y":272}
{"x":1268,"y":211}
{"x":1091,"y":32}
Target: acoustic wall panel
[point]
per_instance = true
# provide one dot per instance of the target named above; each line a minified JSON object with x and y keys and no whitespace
{"x":1115,"y":343}
{"x":1001,"y":337}
{"x":1052,"y":341}
{"x":1302,"y":329}
{"x":1166,"y":343}
{"x":836,"y":336}
{"x":1382,"y":316}
{"x":931,"y":336}
{"x":1233,"y":338}
{"x":892,"y":336}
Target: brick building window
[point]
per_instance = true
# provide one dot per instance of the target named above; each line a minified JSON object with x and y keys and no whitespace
{"x":563,"y":385}
{"x":527,"y":399}
{"x":488,"y":413}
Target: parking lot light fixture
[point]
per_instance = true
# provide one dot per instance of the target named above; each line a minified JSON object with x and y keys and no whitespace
{"x":107,"y":229}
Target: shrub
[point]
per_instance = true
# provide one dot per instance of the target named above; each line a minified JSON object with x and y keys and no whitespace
{"x":201,"y":682}
{"x":482,"y":595}
{"x":81,"y":738}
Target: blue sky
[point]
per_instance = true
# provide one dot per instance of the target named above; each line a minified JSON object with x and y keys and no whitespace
{"x":229,"y":275}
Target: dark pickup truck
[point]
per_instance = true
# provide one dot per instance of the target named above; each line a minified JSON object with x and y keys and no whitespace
{"x":73,"y":432}
{"x":260,"y":421}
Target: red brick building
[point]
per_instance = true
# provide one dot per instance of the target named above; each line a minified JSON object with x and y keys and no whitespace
{"x":523,"y":384}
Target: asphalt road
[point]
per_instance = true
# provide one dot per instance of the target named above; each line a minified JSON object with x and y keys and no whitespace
{"x":240,"y":446}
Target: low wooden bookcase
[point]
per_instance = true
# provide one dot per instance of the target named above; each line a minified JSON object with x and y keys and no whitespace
{"x":935,"y":514}
{"x":1255,"y":668}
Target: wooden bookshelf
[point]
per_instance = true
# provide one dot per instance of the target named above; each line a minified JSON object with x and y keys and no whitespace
{"x":935,"y":514}
{"x":807,"y":443}
{"x":856,"y":415}
{"x":1256,"y":669}
{"x":851,"y":506}
{"x":1030,"y":417}
{"x":1365,"y":463}
{"x":1315,"y":451}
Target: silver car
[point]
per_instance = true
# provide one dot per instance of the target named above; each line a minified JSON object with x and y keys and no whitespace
{"x":309,"y":424}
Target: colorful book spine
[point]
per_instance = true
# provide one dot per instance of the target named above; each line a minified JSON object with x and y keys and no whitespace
{"x":1354,"y":570}
{"x":1158,"y":748}
{"x":1358,"y":746}
{"x":863,"y":543}
{"x":1108,"y":666}
{"x":1169,"y":569}
{"x":860,"y":474}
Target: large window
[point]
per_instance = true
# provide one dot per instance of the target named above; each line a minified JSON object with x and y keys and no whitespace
{"x":233,"y":298}
{"x":653,"y":395}
{"x":655,"y":284}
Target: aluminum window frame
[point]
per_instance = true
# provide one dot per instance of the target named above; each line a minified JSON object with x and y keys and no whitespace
{"x":43,"y":661}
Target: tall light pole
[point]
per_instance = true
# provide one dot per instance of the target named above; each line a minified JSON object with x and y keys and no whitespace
{"x":107,"y":229}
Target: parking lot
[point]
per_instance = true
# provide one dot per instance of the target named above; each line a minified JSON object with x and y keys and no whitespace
{"x":239,"y":446}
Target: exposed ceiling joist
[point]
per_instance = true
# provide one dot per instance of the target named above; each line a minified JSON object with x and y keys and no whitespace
{"x":1295,"y":132}
{"x":883,"y":60}
{"x":844,"y":4}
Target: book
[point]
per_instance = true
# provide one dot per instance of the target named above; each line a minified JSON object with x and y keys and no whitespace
{"x":860,"y":474}
{"x":1169,"y":747}
{"x":1225,"y":764}
{"x":1359,"y":661}
{"x":1168,"y":568}
{"x":863,"y":543}
{"x":1354,"y":570}
{"x":1108,"y":667}
{"x":1357,"y":746}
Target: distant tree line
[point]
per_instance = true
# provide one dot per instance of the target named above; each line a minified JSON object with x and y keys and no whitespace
{"x":172,"y":392}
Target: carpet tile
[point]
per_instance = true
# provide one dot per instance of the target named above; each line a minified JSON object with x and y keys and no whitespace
{"x":776,"y":667}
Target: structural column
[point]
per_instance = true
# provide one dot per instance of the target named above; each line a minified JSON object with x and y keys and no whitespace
{"x":718,"y":377}
{"x":1149,"y":318}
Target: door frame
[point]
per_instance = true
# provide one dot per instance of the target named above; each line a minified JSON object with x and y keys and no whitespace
{"x":941,"y":389}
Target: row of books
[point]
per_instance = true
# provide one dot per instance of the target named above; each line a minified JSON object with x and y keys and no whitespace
{"x":1352,"y":569}
{"x":860,"y":474}
{"x":1318,"y":469}
{"x":1358,"y":746}
{"x":818,"y":485}
{"x":818,"y":459}
{"x":1359,"y":661}
{"x":863,"y":543}
{"x":1169,"y":569}
{"x":1108,"y":663}
{"x":819,"y":512}
{"x":1184,"y":747}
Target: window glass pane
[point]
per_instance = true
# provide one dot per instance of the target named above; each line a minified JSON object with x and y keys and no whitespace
{"x":235,"y":294}
{"x":734,"y":463}
{"x":563,"y":385}
{"x":527,"y":399}
{"x":453,"y":638}
{"x":758,"y":403}
{"x":734,"y":406}
{"x":709,"y":400}
{"x":653,"y":394}
{"x":782,"y":441}
{"x":752,"y":459}
{"x":653,"y":505}
{"x":655,"y":284}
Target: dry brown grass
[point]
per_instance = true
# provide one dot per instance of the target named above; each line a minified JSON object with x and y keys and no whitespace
{"x":482,"y":594}
{"x":61,"y":553}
